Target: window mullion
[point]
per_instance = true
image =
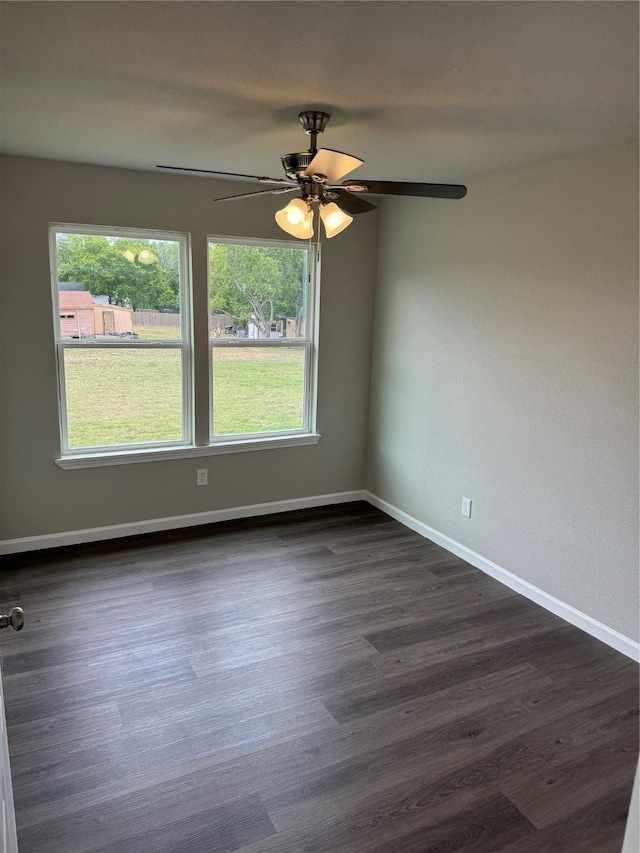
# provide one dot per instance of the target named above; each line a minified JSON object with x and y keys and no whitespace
{"x":200,"y":352}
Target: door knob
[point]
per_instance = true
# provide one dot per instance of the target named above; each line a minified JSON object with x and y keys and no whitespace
{"x":15,"y":619}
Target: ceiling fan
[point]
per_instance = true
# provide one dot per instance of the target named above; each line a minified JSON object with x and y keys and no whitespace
{"x":314,"y":173}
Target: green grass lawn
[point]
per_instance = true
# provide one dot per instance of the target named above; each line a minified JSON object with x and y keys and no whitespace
{"x":125,"y":396}
{"x":257,"y":390}
{"x":122,"y":396}
{"x":157,"y":333}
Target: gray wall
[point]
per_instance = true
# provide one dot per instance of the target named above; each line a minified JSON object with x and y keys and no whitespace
{"x":505,"y":369}
{"x":40,"y":498}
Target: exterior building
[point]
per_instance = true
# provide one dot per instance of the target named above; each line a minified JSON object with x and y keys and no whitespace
{"x":84,"y":315}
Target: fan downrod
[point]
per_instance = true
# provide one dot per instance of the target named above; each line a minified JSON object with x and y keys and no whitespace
{"x":313,"y":122}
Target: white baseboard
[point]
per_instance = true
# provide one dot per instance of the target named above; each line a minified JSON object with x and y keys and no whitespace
{"x":134,"y":528}
{"x":575,"y":617}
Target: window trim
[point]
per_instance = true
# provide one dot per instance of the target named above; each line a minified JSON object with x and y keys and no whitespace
{"x":128,"y":457}
{"x":184,"y":344}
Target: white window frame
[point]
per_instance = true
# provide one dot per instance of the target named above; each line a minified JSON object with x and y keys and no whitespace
{"x":122,"y":454}
{"x":184,"y":344}
{"x":308,"y":343}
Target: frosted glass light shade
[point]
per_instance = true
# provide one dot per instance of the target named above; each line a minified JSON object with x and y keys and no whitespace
{"x":334,"y":219}
{"x":296,"y":219}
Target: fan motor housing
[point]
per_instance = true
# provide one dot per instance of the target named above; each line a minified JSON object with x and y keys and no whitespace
{"x":296,"y":164}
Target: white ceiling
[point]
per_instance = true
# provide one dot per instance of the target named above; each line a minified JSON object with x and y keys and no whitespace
{"x":419,"y":90}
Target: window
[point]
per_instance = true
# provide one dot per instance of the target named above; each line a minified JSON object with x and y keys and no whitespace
{"x":261,"y":296}
{"x":122,"y":338}
{"x":125,"y":354}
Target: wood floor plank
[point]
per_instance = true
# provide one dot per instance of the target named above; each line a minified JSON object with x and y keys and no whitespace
{"x":427,"y":595}
{"x":60,"y":728}
{"x":338,"y":789}
{"x":222,"y":656}
{"x":595,"y":828}
{"x":176,"y":820}
{"x":96,"y":690}
{"x":476,"y":619}
{"x":312,"y":624}
{"x":574,"y":690}
{"x":243,"y":692}
{"x":389,"y":692}
{"x":323,"y":680}
{"x":200,"y":745}
{"x":488,"y":825}
{"x":412,"y":804}
{"x":543,"y":795}
{"x":576,"y":733}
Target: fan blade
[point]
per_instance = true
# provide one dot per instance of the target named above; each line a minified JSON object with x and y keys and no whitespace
{"x":332,"y":164}
{"x":262,"y":179}
{"x":350,"y":202}
{"x":257,"y":192}
{"x":405,"y":188}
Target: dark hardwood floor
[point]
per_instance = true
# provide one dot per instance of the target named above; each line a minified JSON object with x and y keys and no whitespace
{"x":324,"y":680}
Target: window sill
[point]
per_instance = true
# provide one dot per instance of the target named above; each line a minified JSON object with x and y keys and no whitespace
{"x":129,"y":457}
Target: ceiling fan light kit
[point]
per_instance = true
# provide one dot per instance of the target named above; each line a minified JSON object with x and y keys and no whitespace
{"x":334,"y":219}
{"x":296,"y":219}
{"x":315,"y":173}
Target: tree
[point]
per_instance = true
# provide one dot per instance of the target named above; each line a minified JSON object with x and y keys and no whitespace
{"x":292,"y":290}
{"x":168,"y":253}
{"x":256,"y":284}
{"x":126,"y":270}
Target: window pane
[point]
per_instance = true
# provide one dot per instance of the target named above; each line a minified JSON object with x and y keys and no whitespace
{"x":123,"y":396}
{"x":118,"y":288}
{"x":257,"y":291}
{"x":257,"y":389}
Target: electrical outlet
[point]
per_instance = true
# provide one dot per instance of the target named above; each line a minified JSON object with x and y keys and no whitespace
{"x":202,"y":477}
{"x":466,"y":507}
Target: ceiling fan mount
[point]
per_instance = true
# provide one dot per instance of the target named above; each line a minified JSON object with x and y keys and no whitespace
{"x":314,"y":174}
{"x":313,"y":122}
